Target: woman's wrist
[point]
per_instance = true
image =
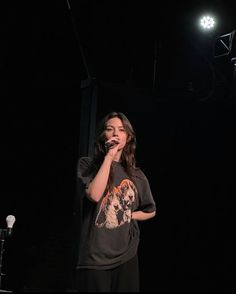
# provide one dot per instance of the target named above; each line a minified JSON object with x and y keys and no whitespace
{"x":133,"y":215}
{"x":108,"y":159}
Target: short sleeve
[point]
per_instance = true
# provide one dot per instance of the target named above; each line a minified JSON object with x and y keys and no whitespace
{"x":146,"y":199}
{"x":85,"y":170}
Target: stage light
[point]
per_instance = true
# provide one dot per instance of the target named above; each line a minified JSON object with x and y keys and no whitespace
{"x":207,"y":22}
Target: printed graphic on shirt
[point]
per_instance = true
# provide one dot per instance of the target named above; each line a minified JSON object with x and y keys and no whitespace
{"x":115,"y":208}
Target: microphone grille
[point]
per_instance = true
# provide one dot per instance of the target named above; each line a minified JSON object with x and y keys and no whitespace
{"x":10,"y":220}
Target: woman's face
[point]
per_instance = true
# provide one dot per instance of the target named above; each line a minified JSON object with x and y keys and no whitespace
{"x":115,"y":130}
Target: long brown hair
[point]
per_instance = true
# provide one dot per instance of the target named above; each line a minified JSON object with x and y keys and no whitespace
{"x":128,"y":159}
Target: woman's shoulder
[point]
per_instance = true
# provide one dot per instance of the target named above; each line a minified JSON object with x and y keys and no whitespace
{"x":138,"y":172}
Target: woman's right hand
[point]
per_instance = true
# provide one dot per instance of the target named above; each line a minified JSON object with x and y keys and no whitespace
{"x":112,"y":146}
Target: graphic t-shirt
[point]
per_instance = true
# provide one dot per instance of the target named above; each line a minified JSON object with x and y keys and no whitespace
{"x":109,"y":236}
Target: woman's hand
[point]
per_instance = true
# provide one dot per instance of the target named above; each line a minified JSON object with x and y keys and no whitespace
{"x":112,"y":146}
{"x":142,"y":216}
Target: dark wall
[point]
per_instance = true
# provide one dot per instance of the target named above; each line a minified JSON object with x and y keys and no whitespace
{"x":40,"y":120}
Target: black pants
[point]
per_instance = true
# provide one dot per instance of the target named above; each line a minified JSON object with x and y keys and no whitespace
{"x":124,"y":278}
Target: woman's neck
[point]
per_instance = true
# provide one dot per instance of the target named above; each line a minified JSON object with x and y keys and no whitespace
{"x":117,"y":157}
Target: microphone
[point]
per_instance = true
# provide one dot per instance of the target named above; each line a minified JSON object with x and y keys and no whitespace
{"x":10,"y":219}
{"x":110,"y":144}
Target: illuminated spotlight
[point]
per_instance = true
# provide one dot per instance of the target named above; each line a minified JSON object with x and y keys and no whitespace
{"x":207,"y":22}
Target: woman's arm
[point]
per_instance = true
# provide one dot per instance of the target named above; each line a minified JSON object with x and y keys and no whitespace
{"x":98,"y":185}
{"x":141,"y":216}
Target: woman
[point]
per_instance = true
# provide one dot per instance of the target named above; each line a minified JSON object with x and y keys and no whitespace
{"x":117,"y":196}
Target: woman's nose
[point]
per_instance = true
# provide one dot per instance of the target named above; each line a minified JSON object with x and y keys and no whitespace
{"x":115,"y":133}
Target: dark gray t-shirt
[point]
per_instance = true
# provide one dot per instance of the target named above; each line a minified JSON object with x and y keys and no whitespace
{"x":109,"y":237}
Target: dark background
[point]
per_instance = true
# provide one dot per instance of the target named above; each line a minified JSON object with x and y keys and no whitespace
{"x":184,"y":117}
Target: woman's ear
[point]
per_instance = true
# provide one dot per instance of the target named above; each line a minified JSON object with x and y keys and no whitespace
{"x":128,"y":139}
